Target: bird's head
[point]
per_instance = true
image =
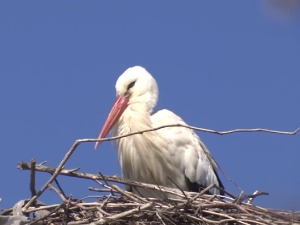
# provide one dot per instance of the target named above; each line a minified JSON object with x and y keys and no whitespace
{"x":135,"y":86}
{"x":138,"y":86}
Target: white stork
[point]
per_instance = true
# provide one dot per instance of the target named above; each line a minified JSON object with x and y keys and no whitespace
{"x":168,"y":156}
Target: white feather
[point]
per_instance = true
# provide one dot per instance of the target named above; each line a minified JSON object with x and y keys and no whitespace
{"x":186,"y":150}
{"x":165,"y":156}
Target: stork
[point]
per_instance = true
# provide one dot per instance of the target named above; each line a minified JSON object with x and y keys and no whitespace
{"x":173,"y":156}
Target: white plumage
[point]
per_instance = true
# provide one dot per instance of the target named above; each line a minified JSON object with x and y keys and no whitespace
{"x":165,"y":156}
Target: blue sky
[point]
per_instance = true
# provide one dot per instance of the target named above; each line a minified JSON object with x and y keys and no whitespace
{"x":219,"y":65}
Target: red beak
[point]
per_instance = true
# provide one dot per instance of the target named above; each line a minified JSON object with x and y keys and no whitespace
{"x":118,"y":108}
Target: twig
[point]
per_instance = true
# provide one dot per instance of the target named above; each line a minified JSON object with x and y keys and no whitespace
{"x":159,"y":217}
{"x":176,"y":185}
{"x":241,"y":214}
{"x":62,"y":196}
{"x":98,"y":190}
{"x":105,"y":203}
{"x":60,"y":188}
{"x":55,"y":174}
{"x":111,"y":191}
{"x":32,"y":178}
{"x":26,"y":166}
{"x":216,"y":211}
{"x":42,"y":218}
{"x":129,"y":195}
{"x":198,"y":129}
{"x":123,"y":214}
{"x":242,"y":130}
{"x":79,"y":141}
{"x":254,"y":195}
{"x":155,"y":182}
{"x":46,"y":207}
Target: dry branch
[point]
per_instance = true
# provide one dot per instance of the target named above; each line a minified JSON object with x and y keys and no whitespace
{"x":89,"y":176}
{"x":79,"y":141}
{"x":127,"y":208}
{"x":242,"y":130}
{"x":203,"y":130}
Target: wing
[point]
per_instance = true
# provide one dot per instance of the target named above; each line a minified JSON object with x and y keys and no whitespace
{"x":188,"y":153}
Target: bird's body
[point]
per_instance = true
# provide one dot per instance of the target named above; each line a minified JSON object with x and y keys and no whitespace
{"x":172,"y":156}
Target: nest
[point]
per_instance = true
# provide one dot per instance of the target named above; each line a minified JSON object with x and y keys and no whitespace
{"x":118,"y":206}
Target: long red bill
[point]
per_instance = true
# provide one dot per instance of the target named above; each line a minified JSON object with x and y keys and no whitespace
{"x":118,"y":108}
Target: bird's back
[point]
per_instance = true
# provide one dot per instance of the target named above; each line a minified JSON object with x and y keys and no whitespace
{"x":187,"y":152}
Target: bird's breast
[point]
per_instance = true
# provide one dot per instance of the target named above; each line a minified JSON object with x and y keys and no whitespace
{"x":146,"y":157}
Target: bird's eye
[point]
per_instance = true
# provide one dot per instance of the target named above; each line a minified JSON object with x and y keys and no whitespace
{"x":130,"y":85}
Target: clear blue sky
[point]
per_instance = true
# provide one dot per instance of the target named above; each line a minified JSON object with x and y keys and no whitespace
{"x":219,"y":64}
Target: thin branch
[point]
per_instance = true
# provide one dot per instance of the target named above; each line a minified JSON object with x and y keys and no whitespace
{"x":124,"y":214}
{"x":198,"y":129}
{"x":128,"y":194}
{"x":60,"y":188}
{"x":32,"y":178}
{"x":155,"y":182}
{"x":55,"y":174}
{"x":51,"y":170}
{"x":160,"y":219}
{"x":58,"y":192}
{"x":59,"y":169}
{"x":107,"y":185}
{"x":176,"y":185}
{"x":47,"y":215}
{"x":79,"y":141}
{"x":242,"y":130}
